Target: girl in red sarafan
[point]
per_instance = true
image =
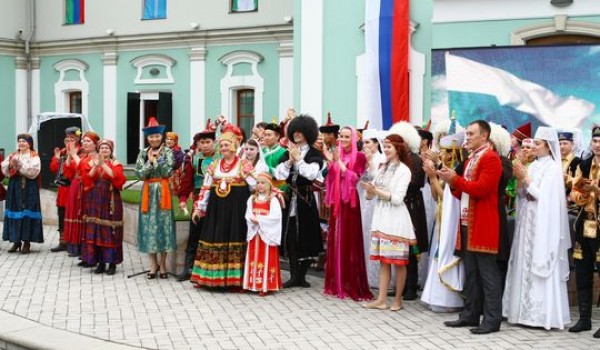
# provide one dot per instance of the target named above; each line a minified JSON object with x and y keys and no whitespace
{"x":263,"y":215}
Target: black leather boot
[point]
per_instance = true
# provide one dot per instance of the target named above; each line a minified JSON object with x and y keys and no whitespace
{"x":16,"y":246}
{"x":585,"y":312}
{"x":304,"y":265}
{"x":61,"y":247}
{"x":186,"y":274}
{"x":412,"y":278}
{"x":294,"y":271}
{"x":112,"y":268}
{"x":100,"y":269}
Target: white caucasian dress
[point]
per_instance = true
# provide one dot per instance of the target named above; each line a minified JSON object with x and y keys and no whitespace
{"x":536,"y":283}
{"x":446,"y":271}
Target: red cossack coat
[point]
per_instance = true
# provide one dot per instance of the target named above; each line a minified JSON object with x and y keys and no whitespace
{"x":483,"y":219}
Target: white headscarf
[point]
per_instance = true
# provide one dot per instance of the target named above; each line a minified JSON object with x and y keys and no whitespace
{"x":550,"y":135}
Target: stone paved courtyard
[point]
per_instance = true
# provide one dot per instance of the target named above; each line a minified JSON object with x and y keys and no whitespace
{"x":164,"y":314}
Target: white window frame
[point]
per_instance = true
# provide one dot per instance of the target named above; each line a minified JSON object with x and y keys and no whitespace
{"x":141,"y":62}
{"x":63,"y":87}
{"x":230,"y":84}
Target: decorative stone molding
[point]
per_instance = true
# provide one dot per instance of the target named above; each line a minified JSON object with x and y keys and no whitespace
{"x":560,"y":25}
{"x":35,"y":63}
{"x":110,"y":58}
{"x":21,"y":62}
{"x":150,"y":41}
{"x":241,"y":56}
{"x":197,"y":54}
{"x":230,"y":83}
{"x":142,"y":62}
{"x":286,"y":49}
{"x":63,"y":87}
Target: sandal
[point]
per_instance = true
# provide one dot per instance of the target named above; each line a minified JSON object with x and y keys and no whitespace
{"x":151,"y":275}
{"x":374,"y":305}
{"x":396,"y":307}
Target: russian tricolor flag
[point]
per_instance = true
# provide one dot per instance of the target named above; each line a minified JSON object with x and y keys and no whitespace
{"x":75,"y":10}
{"x":386,"y":43}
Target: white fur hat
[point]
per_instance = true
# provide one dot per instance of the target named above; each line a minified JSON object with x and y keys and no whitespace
{"x":500,"y":137}
{"x":409,"y":134}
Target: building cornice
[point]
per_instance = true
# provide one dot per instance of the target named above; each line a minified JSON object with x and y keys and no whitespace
{"x":11,"y":47}
{"x":172,"y":40}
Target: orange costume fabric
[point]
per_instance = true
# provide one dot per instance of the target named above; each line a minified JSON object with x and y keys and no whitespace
{"x":483,"y":228}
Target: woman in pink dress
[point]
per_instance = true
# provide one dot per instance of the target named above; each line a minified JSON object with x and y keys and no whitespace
{"x":345,"y":273}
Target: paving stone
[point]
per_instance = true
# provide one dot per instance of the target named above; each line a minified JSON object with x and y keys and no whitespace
{"x":165,"y":314}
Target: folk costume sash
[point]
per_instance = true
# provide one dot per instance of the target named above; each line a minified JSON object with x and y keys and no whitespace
{"x":468,"y":175}
{"x":165,"y":194}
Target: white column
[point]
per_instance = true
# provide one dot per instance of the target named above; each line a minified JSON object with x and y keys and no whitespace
{"x":197,"y":91}
{"x":21,"y":95}
{"x":311,"y":58}
{"x":416,"y":66}
{"x":286,"y":77}
{"x":109,"y":61}
{"x":35,"y":86}
{"x":361,"y":90}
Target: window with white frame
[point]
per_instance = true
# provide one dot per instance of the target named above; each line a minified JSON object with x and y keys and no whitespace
{"x":244,"y":5}
{"x":154,"y":9}
{"x":72,"y":88}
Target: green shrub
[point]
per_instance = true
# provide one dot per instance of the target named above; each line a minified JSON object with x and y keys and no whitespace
{"x":134,"y":197}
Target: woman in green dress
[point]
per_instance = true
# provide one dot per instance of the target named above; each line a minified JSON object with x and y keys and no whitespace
{"x":156,"y":228}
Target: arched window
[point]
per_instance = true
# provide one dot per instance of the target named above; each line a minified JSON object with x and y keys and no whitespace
{"x":71,"y":90}
{"x":242,"y":88}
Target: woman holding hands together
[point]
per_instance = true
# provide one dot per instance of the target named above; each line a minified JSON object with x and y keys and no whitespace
{"x":392,"y":233}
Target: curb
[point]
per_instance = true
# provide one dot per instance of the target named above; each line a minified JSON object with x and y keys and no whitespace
{"x":18,"y":333}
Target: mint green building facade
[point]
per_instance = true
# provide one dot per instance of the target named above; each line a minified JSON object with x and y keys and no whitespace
{"x":204,"y":60}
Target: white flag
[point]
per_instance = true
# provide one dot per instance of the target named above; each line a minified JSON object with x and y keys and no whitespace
{"x":561,"y":112}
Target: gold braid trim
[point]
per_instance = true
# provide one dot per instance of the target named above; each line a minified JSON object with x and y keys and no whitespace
{"x":103,"y":222}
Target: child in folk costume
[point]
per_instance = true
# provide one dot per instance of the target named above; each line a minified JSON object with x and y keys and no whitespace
{"x":263,"y":215}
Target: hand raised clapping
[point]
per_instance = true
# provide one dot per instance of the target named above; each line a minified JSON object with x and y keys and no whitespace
{"x":294,"y":152}
{"x":429,"y":167}
{"x":72,"y":149}
{"x":97,"y":159}
{"x":446,"y":174}
{"x":369,"y":187}
{"x":519,"y":170}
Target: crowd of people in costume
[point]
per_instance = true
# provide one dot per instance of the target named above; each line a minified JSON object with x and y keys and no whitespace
{"x":485,"y":222}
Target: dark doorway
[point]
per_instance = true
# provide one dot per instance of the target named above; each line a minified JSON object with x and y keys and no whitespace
{"x":133,"y":126}
{"x":51,"y":135}
{"x":161,"y":109}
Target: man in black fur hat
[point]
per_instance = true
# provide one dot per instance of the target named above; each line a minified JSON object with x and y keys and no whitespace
{"x":301,"y":239}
